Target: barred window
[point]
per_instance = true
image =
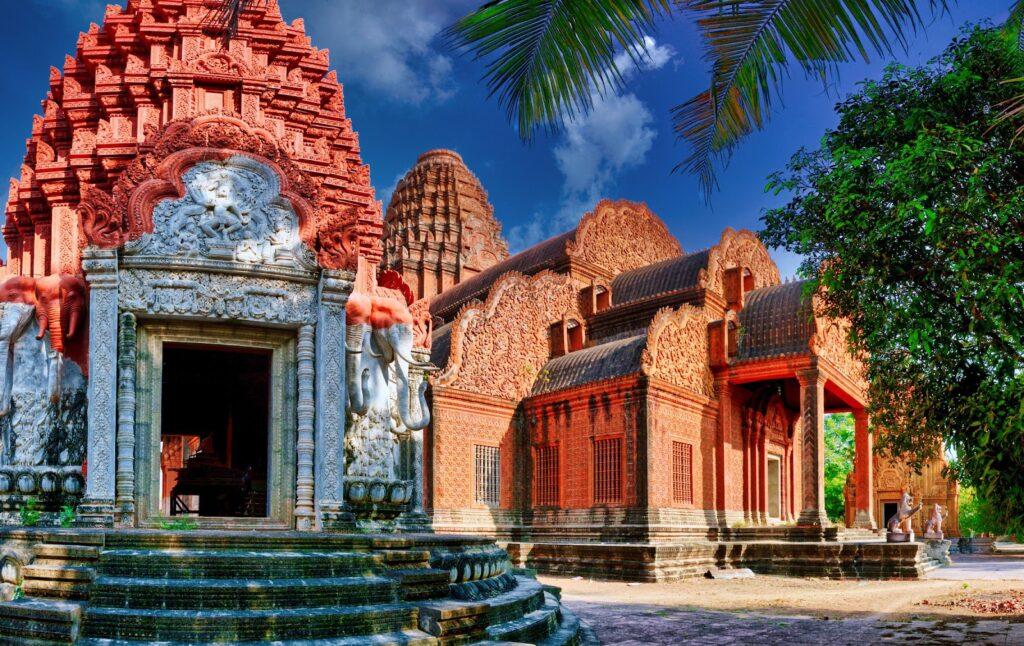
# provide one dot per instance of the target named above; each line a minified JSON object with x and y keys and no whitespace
{"x":682,"y":472}
{"x":608,"y":470}
{"x":488,"y":475}
{"x":547,"y":476}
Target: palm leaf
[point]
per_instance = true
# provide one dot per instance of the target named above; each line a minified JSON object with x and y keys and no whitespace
{"x":751,"y":43}
{"x":224,"y":17}
{"x":547,"y":58}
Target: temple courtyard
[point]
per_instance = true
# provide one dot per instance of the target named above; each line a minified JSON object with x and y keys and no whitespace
{"x":978,"y":600}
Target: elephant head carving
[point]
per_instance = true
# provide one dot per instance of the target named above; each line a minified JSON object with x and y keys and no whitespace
{"x":380,"y":334}
{"x":60,"y":307}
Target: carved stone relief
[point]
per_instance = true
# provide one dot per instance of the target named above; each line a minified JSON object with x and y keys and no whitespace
{"x":217,"y":296}
{"x":677,"y":349}
{"x":232,"y":210}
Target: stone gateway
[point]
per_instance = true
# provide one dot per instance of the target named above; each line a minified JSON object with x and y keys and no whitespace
{"x":210,"y":383}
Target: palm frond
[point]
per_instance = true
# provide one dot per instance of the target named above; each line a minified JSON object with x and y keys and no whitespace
{"x":547,"y":58}
{"x":752,"y":43}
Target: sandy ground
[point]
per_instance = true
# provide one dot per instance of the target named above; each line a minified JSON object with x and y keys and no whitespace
{"x":980,"y":602}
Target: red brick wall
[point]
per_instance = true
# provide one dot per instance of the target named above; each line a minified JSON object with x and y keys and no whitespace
{"x":574,"y":420}
{"x":678,"y":416}
{"x":461,"y":422}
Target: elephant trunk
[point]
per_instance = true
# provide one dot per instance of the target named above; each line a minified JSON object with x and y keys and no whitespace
{"x":6,"y":362}
{"x":357,"y":377}
{"x":75,"y":319}
{"x":404,"y":410}
{"x":53,"y":323}
{"x":54,"y":364}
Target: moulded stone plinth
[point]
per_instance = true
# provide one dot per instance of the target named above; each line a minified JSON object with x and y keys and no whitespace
{"x":899,"y":537}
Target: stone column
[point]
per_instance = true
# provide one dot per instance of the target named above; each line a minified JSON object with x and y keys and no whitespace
{"x":41,"y":249}
{"x":812,"y":463}
{"x":64,"y":250}
{"x":724,"y":391}
{"x":97,"y":507}
{"x":305,"y":516}
{"x":331,"y":397}
{"x":125,"y":481}
{"x":863,"y":469}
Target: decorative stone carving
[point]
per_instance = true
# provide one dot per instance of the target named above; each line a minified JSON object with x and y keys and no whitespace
{"x":232,"y":211}
{"x":898,"y":526}
{"x":831,"y":341}
{"x":304,"y":445}
{"x":739,"y":249}
{"x":42,"y":410}
{"x":422,"y":324}
{"x":497,"y":347}
{"x":217,"y":296}
{"x":933,"y":528}
{"x":126,"y":358}
{"x":677,"y":349}
{"x":619,"y":235}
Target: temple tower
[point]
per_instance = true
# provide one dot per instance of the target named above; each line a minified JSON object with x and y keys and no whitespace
{"x":440,"y":228}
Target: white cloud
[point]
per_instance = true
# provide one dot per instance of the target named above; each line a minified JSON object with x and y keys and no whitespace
{"x":389,"y":47}
{"x":651,"y":57}
{"x":595,"y":148}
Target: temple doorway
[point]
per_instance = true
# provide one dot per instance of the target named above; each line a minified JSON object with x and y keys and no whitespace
{"x":774,"y":474}
{"x":214,"y":435}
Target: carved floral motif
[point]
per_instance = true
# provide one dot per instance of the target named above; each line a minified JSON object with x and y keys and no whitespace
{"x":677,"y":349}
{"x":621,"y":235}
{"x":498,"y":347}
{"x":831,"y":341}
{"x":739,"y":249}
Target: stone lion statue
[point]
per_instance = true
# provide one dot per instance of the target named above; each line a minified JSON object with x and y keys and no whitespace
{"x":899,"y":523}
{"x":934,"y":525}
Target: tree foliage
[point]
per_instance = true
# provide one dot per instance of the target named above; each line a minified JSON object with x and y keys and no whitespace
{"x":910,"y":218}
{"x":839,"y":454}
{"x":977,"y":515}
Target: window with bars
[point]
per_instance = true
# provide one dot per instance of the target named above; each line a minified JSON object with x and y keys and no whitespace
{"x":682,"y":472}
{"x":608,"y":470}
{"x":488,"y":475}
{"x":547,"y":476}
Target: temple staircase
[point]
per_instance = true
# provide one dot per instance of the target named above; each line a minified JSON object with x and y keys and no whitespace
{"x":288,"y":588}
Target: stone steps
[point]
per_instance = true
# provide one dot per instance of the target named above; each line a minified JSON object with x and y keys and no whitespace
{"x":241,"y":594}
{"x":227,"y":564}
{"x":58,"y":581}
{"x":248,"y":625}
{"x":39,"y":621}
{"x":532,"y":627}
{"x":407,"y":637}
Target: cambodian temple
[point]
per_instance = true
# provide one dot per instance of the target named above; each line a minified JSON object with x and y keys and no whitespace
{"x":239,"y":404}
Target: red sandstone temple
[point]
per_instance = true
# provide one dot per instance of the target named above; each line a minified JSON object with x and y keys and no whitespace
{"x":601,"y":387}
{"x":606,"y":385}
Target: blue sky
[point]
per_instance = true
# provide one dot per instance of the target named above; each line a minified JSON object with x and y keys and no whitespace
{"x":406,"y":94}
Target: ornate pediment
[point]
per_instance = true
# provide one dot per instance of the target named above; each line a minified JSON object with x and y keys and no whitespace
{"x":232,"y":211}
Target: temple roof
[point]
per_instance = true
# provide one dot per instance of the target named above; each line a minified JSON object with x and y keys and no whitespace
{"x":544,"y":255}
{"x":776,"y":321}
{"x":667,"y":276}
{"x":605,"y":361}
{"x":441,"y":345}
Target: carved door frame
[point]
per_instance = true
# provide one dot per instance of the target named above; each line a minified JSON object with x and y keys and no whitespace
{"x":281,"y":484}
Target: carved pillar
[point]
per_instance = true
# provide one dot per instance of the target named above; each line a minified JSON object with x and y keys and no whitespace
{"x":863,"y":469}
{"x":97,"y":506}
{"x":41,"y":249}
{"x":64,"y":250}
{"x":812,"y":447}
{"x":305,"y":516}
{"x":331,"y":397}
{"x":724,"y":391}
{"x":416,"y":377}
{"x":125,"y":480}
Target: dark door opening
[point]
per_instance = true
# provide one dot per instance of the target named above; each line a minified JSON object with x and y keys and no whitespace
{"x":889,"y":509}
{"x":214,"y":436}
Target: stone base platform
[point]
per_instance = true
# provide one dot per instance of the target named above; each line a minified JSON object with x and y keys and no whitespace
{"x":651,"y":562}
{"x":134,"y":587}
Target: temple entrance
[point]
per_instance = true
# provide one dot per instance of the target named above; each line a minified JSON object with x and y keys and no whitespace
{"x":774,"y":487}
{"x":214,"y":433}
{"x":215,"y":425}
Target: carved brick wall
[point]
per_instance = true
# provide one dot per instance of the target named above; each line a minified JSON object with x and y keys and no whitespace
{"x":575,"y":420}
{"x":498,"y":347}
{"x":740,"y":249}
{"x":619,"y":235}
{"x":672,"y":418}
{"x":677,"y":349}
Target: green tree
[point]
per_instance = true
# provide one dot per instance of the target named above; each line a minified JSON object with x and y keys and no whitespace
{"x":977,"y":516}
{"x":910,"y":219}
{"x":839,"y":453}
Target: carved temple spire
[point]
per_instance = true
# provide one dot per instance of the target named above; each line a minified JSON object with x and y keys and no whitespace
{"x":440,"y":226}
